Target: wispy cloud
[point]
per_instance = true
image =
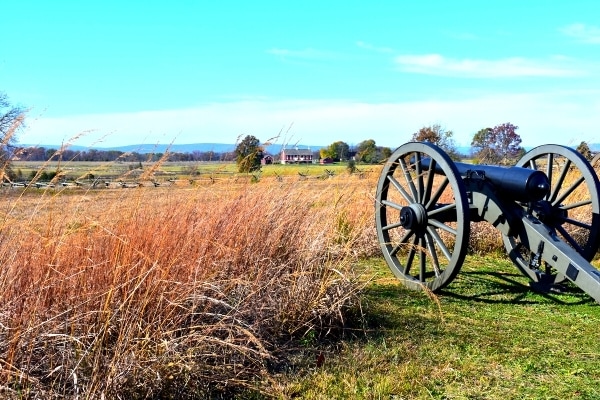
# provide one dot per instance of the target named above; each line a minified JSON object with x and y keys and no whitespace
{"x":583,"y":33}
{"x":436,"y":64}
{"x":369,"y":46}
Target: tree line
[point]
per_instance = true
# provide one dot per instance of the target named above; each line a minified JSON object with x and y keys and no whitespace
{"x":249,"y":153}
{"x":44,"y":154}
{"x":500,"y":145}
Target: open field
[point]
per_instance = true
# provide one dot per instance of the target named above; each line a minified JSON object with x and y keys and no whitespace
{"x":272,"y":287}
{"x":198,"y":172}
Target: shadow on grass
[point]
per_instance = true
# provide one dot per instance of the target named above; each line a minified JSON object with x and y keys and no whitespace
{"x":385,"y":309}
{"x":391,"y":307}
{"x":505,"y":288}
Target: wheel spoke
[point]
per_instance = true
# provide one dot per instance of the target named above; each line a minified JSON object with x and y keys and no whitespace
{"x":411,"y":255}
{"x":422,"y":260}
{"x":391,"y":226}
{"x":419,"y":172}
{"x":575,"y":205}
{"x":575,"y":222}
{"x":441,"y":209}
{"x":402,"y":191}
{"x":549,"y":165}
{"x":391,"y":204}
{"x":561,"y":179}
{"x":408,"y":177}
{"x":429,"y":183}
{"x":438,"y":240}
{"x":568,"y":191}
{"x":438,"y":193}
{"x":434,"y":259}
{"x":446,"y":228}
{"x":402,"y":241}
{"x":569,"y":239}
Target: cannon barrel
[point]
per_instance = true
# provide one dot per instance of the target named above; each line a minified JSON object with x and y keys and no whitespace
{"x":521,"y":184}
{"x":518,"y":183}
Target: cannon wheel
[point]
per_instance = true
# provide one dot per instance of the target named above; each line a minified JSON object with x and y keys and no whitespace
{"x":422,"y":216}
{"x":571,"y":209}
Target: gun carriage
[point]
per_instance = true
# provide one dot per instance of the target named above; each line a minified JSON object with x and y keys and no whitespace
{"x":547,"y":208}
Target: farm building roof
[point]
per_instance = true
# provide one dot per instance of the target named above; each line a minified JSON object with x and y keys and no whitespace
{"x":297,"y":152}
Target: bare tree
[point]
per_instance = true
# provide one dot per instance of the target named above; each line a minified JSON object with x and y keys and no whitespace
{"x":498,"y":145}
{"x":11,"y":119}
{"x":439,"y":136}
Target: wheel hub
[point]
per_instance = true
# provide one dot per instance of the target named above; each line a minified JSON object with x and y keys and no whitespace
{"x":413,"y":216}
{"x":552,"y":216}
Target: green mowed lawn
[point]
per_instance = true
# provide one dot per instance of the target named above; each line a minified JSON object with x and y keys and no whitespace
{"x":487,"y":336}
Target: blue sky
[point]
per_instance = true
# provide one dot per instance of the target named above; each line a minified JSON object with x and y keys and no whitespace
{"x":313,"y":72}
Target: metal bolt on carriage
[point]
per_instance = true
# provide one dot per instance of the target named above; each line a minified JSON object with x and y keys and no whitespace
{"x":547,"y":208}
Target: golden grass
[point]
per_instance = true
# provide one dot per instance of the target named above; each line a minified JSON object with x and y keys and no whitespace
{"x":181,"y":291}
{"x":173,"y":292}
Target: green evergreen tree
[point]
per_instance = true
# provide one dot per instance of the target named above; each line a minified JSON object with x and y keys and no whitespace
{"x":248,"y":154}
{"x":585,"y":151}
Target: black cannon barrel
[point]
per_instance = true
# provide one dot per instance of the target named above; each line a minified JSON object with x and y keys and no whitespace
{"x":517,"y":183}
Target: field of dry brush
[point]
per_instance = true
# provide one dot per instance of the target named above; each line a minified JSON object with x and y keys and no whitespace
{"x":174,"y":292}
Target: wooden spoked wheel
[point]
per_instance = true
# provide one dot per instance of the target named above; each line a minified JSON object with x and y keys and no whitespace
{"x":571,"y":209}
{"x":422,"y":216}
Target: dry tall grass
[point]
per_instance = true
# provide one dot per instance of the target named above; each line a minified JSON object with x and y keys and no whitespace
{"x":178,"y":292}
{"x":172,"y":293}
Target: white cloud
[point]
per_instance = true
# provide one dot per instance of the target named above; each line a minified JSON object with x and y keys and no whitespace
{"x":561,"y":118}
{"x":369,"y":46}
{"x":583,"y":33}
{"x":436,"y":64}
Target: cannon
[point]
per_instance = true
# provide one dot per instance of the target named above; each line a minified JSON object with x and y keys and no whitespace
{"x":546,"y":207}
